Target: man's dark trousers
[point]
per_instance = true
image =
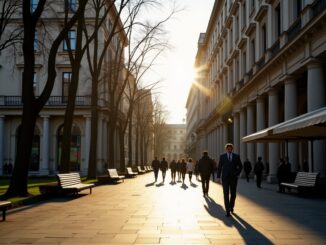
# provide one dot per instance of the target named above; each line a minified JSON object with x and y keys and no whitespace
{"x":229,"y":191}
{"x":205,"y":182}
{"x":156,"y":173}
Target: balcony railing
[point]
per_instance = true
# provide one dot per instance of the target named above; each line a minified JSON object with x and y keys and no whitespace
{"x":53,"y":101}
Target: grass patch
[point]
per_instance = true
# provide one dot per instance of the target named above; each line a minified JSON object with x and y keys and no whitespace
{"x":33,"y":189}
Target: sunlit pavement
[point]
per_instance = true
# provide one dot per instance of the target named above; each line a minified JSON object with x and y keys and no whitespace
{"x":139,"y":211}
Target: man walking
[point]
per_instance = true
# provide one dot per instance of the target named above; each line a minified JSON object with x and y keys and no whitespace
{"x":230,"y":167}
{"x":156,"y":167}
{"x":164,"y":167}
{"x":258,"y":169}
{"x":205,"y":168}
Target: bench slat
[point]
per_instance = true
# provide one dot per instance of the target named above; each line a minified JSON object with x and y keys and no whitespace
{"x":303,"y":179}
{"x":72,"y":182}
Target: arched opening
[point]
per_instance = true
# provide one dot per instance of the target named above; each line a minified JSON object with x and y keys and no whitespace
{"x":34,"y":164}
{"x":75,"y":152}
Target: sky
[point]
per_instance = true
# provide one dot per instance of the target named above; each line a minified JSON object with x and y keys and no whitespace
{"x":176,"y":66}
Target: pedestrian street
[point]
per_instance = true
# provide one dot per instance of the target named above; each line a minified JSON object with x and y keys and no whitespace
{"x":140,"y":211}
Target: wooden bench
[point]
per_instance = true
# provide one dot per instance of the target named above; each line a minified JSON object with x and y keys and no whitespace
{"x":4,"y":206}
{"x":71,"y":183}
{"x":130,"y":173}
{"x":114,"y":176}
{"x":140,"y":171}
{"x":303,"y":181}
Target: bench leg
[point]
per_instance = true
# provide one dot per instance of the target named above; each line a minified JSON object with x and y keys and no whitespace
{"x":3,"y":214}
{"x":90,"y":190}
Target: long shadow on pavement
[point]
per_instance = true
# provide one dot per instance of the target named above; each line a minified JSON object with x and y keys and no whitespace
{"x":312,"y":212}
{"x":249,"y":234}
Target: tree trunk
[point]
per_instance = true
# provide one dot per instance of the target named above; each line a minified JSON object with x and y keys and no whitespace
{"x":130,"y":143}
{"x":111,"y":142}
{"x":19,"y":179}
{"x":69,"y":114}
{"x":93,"y":144}
{"x":141,"y":149}
{"x":137,"y":145}
{"x":122,"y":150}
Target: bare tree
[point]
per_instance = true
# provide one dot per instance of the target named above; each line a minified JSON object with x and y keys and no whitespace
{"x":32,"y":105}
{"x":102,"y":9}
{"x":159,"y":127}
{"x":147,"y":42}
{"x":8,"y":38}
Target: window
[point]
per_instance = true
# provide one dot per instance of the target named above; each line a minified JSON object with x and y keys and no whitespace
{"x":278,"y":21}
{"x":298,"y":8}
{"x":36,"y":42}
{"x":72,"y":41}
{"x":244,"y":15}
{"x":75,"y":148}
{"x":264,"y":38}
{"x":72,"y":5}
{"x":34,"y":83}
{"x":244,"y":63}
{"x":66,"y":80}
{"x":34,"y":4}
{"x":253,"y":52}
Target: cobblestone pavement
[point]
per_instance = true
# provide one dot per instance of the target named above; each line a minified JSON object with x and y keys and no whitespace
{"x":139,"y":211}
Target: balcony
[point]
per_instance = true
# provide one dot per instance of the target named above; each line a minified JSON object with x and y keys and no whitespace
{"x":12,"y":101}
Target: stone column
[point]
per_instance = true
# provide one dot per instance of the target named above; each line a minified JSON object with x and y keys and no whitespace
{"x":44,"y":165}
{"x":250,"y":129}
{"x":88,"y":123}
{"x":243,"y":127}
{"x":273,"y":148}
{"x":290,"y":111}
{"x":236,"y":132}
{"x":2,"y":139}
{"x":316,"y":99}
{"x":260,"y":124}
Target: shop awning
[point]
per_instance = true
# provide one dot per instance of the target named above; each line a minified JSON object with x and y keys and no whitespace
{"x":309,"y":126}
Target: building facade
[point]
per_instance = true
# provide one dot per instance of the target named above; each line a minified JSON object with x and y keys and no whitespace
{"x":174,"y":144}
{"x":46,"y":147}
{"x":262,"y":63}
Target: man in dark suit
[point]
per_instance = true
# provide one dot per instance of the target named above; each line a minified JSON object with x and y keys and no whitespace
{"x":230,"y":167}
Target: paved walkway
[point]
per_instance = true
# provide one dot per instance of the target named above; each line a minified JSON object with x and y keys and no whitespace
{"x":141,"y":212}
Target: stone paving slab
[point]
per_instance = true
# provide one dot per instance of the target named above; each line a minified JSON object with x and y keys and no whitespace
{"x":139,"y":211}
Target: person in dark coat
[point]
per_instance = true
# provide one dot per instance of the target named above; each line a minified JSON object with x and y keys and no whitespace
{"x":247,"y":168}
{"x":173,"y":168}
{"x":179,"y":170}
{"x":258,"y":170}
{"x":183,"y":170}
{"x":163,"y":168}
{"x":205,"y":169}
{"x":156,"y":167}
{"x":229,"y":167}
{"x":283,"y":173}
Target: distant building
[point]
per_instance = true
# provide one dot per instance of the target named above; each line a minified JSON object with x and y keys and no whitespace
{"x":261,"y":63}
{"x":174,"y":145}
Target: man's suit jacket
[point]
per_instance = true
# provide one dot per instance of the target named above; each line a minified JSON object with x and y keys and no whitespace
{"x":229,"y":169}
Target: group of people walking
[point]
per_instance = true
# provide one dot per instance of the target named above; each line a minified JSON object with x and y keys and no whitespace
{"x":178,"y":169}
{"x":227,"y":171}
